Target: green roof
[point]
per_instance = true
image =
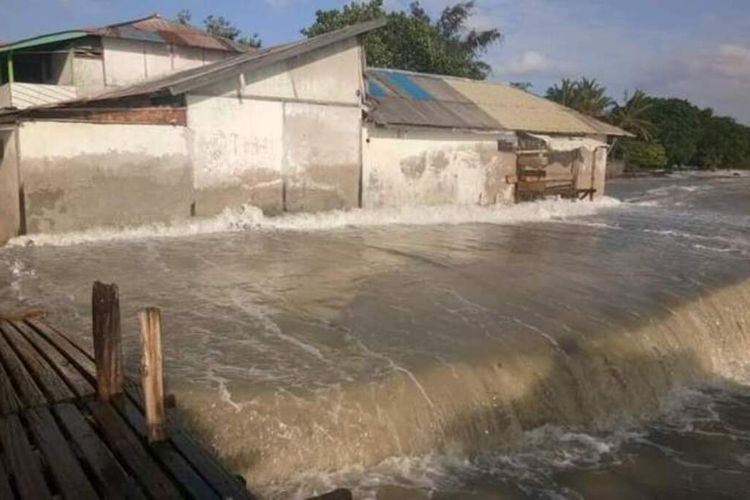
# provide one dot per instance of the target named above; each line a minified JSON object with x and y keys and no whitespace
{"x":43,"y":40}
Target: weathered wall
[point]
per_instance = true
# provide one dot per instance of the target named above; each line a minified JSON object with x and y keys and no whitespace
{"x":130,"y":61}
{"x":591,"y":170}
{"x":10,"y":218}
{"x":82,"y":175}
{"x":289,"y":139}
{"x":237,"y":153}
{"x":331,"y":75}
{"x":88,"y":74}
{"x":403,"y":167}
{"x":322,"y":157}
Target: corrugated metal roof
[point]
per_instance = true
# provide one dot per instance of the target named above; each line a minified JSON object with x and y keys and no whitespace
{"x":405,"y":98}
{"x":157,"y":29}
{"x":151,"y":29}
{"x":201,"y":76}
{"x":43,"y":40}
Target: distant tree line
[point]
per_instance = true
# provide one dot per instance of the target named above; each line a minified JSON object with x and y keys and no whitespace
{"x":412,"y":40}
{"x":219,"y":26}
{"x":668,"y":132}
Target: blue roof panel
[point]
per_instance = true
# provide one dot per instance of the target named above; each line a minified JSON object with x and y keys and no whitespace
{"x":405,"y":84}
{"x":375,"y":89}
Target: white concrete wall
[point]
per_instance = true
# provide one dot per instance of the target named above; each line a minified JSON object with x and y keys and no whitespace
{"x":331,"y":75}
{"x":88,"y":74}
{"x":82,"y":175}
{"x":289,"y":139}
{"x":124,"y":61}
{"x":131,"y":61}
{"x":403,"y":167}
{"x":237,"y":153}
{"x":10,"y":218}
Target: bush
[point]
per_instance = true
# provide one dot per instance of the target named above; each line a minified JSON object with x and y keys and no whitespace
{"x":643,"y":155}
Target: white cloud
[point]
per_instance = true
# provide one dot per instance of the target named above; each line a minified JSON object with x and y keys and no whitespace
{"x":716,"y":77}
{"x":530,"y":62}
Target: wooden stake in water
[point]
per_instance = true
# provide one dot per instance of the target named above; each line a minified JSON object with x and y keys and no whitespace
{"x":105,"y":310}
{"x":153,"y":381}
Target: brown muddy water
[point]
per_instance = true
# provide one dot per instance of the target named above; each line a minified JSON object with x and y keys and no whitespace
{"x":551,"y":350}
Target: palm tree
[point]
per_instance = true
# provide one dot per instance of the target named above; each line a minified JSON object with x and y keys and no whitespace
{"x":564,"y":93}
{"x":591,"y":98}
{"x":631,"y":115}
{"x":584,"y":95}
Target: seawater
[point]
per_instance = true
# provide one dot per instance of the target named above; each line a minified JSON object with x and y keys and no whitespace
{"x":546,"y":350}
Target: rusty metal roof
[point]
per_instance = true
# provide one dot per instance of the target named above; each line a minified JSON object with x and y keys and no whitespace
{"x":201,"y":76}
{"x":406,"y":98}
{"x":181,"y":82}
{"x":160,"y":30}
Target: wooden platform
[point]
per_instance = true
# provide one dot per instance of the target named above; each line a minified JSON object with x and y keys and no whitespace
{"x":57,"y":440}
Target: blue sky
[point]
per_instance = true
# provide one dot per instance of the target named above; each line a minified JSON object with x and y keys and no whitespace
{"x":697,"y":49}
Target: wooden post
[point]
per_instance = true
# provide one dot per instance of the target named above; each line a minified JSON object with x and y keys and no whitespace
{"x":105,"y":306}
{"x":153,"y":381}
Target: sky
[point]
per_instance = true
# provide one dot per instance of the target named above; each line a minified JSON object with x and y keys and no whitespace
{"x":693,"y":49}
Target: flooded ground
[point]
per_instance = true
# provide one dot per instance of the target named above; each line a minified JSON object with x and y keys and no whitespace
{"x":550,"y":350}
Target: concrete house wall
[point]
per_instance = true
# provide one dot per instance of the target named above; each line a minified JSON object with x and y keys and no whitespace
{"x":131,"y":61}
{"x":286,"y":137}
{"x":83,"y":175}
{"x":418,"y":166}
{"x":10,"y":217}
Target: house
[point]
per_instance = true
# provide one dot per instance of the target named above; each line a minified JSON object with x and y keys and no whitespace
{"x":76,"y":63}
{"x":433,"y":139}
{"x":299,"y":127}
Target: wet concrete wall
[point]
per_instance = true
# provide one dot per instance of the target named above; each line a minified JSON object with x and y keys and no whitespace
{"x":282,"y":138}
{"x":10,"y":217}
{"x":404,"y":167}
{"x":83,"y":175}
{"x":590,"y":170}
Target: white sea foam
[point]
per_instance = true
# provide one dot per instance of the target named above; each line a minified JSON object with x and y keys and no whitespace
{"x":251,"y":218}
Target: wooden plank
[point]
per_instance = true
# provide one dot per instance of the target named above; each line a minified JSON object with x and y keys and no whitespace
{"x":153,"y":379}
{"x":105,"y":308}
{"x":207,"y":466}
{"x":5,"y":490}
{"x":9,"y":401}
{"x":48,"y":379}
{"x":112,"y":480}
{"x":83,"y":360}
{"x":130,"y":449}
{"x":66,"y":470}
{"x":22,"y":463}
{"x":532,"y":161}
{"x":28,"y":390}
{"x":75,"y":379}
{"x":187,"y":478}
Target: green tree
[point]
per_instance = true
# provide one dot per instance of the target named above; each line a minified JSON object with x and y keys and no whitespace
{"x":631,"y":115}
{"x":564,"y":93}
{"x":585,"y":95}
{"x":184,"y":16}
{"x":678,"y":126}
{"x":525,"y":86}
{"x":219,"y":26}
{"x":642,"y":154}
{"x":724,"y":144}
{"x":591,"y":98}
{"x":413,"y":41}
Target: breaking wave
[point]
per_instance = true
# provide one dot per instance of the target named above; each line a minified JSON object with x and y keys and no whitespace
{"x":252,"y":218}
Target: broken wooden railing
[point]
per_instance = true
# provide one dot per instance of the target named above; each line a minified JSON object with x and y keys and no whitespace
{"x":73,"y":426}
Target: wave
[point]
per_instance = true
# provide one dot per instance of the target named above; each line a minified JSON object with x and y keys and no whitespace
{"x":607,"y":379}
{"x":251,"y":218}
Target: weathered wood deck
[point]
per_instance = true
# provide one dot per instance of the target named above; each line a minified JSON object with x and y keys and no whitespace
{"x":58,"y":440}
